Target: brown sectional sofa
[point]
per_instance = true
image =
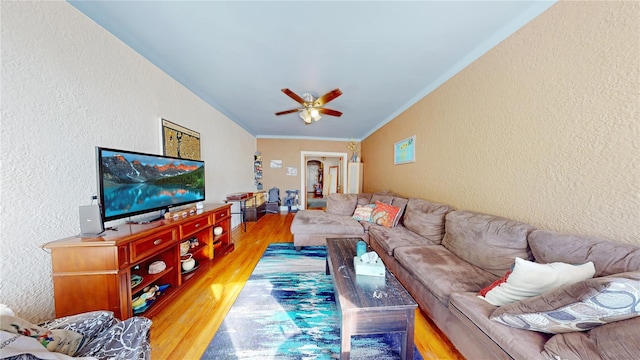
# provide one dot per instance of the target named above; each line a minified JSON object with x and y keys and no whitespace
{"x":444,"y":257}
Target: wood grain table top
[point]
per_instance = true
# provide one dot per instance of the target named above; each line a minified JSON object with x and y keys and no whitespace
{"x":360,"y":292}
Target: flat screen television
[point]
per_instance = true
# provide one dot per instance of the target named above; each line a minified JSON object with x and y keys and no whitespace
{"x":132,"y":183}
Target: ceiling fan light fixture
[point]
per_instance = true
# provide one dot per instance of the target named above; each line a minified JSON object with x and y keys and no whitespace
{"x":315,"y":115}
{"x":305,"y":115}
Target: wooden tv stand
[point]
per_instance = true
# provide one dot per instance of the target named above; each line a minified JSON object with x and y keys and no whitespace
{"x":95,"y":273}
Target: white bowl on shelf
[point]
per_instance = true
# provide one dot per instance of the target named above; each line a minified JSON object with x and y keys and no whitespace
{"x":188,"y":263}
{"x":217,"y":230}
{"x":157,"y":267}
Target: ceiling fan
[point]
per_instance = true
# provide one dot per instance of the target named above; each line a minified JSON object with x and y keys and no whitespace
{"x":311,"y":107}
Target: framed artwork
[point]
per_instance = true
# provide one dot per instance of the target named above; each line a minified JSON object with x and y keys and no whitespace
{"x":180,"y":142}
{"x":292,"y":171}
{"x":404,"y":151}
{"x":276,"y":164}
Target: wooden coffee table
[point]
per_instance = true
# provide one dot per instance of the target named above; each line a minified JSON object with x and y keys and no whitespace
{"x":368,"y":304}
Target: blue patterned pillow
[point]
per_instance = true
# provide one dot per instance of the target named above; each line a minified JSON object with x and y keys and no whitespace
{"x":576,"y":307}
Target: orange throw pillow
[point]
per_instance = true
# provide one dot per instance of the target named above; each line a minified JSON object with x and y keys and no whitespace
{"x":385,"y":214}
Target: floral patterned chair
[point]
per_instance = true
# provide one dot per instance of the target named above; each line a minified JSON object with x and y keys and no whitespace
{"x":103,"y":337}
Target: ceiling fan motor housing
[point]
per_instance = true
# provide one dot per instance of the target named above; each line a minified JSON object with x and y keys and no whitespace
{"x":308,"y":98}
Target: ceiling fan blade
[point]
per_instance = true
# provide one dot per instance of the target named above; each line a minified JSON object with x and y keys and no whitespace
{"x":329,"y":112}
{"x":327,"y":97}
{"x":294,"y":96}
{"x":287,"y":111}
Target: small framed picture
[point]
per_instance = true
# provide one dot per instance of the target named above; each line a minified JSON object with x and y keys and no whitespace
{"x":404,"y":151}
{"x":292,"y":171}
{"x":276,"y":164}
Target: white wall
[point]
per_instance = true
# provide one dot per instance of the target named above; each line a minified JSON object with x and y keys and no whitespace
{"x":68,"y":86}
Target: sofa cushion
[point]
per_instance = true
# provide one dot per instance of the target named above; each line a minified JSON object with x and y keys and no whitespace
{"x":386,"y":198}
{"x":609,"y":257}
{"x":392,"y":238}
{"x":385,"y":214}
{"x":528,"y":279}
{"x":426,"y":218}
{"x":474,"y":312}
{"x":441,"y":271}
{"x":576,"y":307}
{"x":617,"y":340}
{"x":571,"y":346}
{"x":341,"y":204}
{"x":364,"y":198}
{"x":366,"y":225}
{"x":309,"y":222}
{"x":487,"y":241}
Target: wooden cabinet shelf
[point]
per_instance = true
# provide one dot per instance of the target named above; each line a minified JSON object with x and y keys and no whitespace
{"x":200,"y":248}
{"x":220,"y":238}
{"x":202,"y":268}
{"x":160,"y":301}
{"x":149,"y":279}
{"x":95,"y":273}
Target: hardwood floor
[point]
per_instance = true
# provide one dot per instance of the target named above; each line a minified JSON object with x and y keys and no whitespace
{"x":184,"y":328}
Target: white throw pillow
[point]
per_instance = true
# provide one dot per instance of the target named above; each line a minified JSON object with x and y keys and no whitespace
{"x":527,"y":279}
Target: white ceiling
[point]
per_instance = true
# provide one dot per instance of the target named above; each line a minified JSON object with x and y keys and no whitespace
{"x":383,"y":55}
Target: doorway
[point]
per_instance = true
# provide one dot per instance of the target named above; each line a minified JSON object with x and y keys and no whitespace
{"x":315,"y":181}
{"x":324,"y":173}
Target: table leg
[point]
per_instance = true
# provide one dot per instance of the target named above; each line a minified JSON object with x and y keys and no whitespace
{"x":345,"y":338}
{"x":243,"y":206}
{"x":407,"y":336}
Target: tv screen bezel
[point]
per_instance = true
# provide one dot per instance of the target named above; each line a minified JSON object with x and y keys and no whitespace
{"x":99,"y":170}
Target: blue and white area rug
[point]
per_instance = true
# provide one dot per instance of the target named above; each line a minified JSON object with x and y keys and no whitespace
{"x":287,"y":310}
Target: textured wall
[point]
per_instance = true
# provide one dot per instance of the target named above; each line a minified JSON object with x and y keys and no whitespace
{"x":68,"y":86}
{"x":543,"y":128}
{"x":288,"y":150}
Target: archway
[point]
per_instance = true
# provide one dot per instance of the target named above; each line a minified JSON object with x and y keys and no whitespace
{"x":329,"y":161}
